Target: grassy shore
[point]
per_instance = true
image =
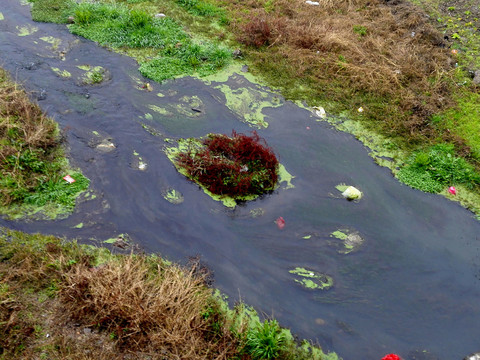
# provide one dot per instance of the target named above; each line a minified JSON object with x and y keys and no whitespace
{"x":32,"y":161}
{"x":62,"y":300}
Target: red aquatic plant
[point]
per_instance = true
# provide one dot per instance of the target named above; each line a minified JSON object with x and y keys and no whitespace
{"x":238,"y":165}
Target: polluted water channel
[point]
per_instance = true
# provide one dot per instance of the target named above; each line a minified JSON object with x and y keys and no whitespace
{"x":395,"y":271}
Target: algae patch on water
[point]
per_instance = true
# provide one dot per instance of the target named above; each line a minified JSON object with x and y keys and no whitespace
{"x":26,"y":30}
{"x":93,"y":74}
{"x":172,"y":196}
{"x":248,"y":103}
{"x":348,"y":241}
{"x":311,"y":279}
{"x":61,"y":73}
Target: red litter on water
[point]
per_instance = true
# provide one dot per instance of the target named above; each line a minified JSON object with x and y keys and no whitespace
{"x":391,"y":357}
{"x":280,"y":223}
{"x":69,"y":179}
{"x":452,"y":190}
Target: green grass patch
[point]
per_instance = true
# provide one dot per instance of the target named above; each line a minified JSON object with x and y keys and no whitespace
{"x":162,"y":46}
{"x":437,"y":168}
{"x":32,"y":161}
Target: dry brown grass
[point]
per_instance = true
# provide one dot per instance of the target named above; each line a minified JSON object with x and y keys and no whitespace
{"x":354,"y":49}
{"x":146,"y":306}
{"x":22,"y":118}
{"x":133,"y":306}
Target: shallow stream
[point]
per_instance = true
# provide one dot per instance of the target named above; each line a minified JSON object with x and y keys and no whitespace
{"x":413,"y":284}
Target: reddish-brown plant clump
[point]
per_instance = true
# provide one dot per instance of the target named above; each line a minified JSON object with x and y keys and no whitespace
{"x":238,"y":165}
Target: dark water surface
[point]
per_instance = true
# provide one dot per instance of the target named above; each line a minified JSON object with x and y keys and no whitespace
{"x":414,"y":285}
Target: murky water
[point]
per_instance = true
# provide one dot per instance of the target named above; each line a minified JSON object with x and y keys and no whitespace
{"x":413,"y":285}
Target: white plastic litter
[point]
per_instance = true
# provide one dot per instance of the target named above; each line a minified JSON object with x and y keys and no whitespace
{"x":320,"y":112}
{"x":352,"y":193}
{"x":312,"y":2}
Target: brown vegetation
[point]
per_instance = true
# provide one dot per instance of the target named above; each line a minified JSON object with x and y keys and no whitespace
{"x":28,"y":143}
{"x":135,"y":306}
{"x":146,"y":306}
{"x":383,"y":56}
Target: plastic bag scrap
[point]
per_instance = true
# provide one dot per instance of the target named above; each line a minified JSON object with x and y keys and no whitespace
{"x":69,"y":179}
{"x":280,"y":223}
{"x":352,"y":193}
{"x":312,"y":2}
{"x":320,"y":112}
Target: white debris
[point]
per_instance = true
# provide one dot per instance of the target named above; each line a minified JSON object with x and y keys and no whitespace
{"x":160,"y":15}
{"x":320,"y":112}
{"x":352,"y":193}
{"x":312,"y":2}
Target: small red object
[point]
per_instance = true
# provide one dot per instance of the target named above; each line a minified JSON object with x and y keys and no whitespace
{"x":391,"y":357}
{"x":452,"y":190}
{"x":280,"y":223}
{"x":69,"y":179}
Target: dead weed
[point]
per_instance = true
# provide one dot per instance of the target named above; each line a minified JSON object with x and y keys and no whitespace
{"x":361,"y":48}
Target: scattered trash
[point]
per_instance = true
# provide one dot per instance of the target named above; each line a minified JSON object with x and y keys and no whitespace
{"x":160,"y":15}
{"x":475,"y":356}
{"x":360,"y":109}
{"x":308,"y":127}
{"x":391,"y":357}
{"x":69,"y":179}
{"x":349,"y":192}
{"x":452,"y":190}
{"x":147,"y":87}
{"x":280,"y":223}
{"x":412,"y":34}
{"x":312,"y":2}
{"x":142,"y":166}
{"x":196,"y":110}
{"x":454,"y":51}
{"x":320,"y":112}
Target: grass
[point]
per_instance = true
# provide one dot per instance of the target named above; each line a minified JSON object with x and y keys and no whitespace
{"x":161,"y":45}
{"x":59,"y":300}
{"x":438,"y":168}
{"x":32,"y":162}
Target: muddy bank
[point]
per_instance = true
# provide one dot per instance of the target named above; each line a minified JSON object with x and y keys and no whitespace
{"x":412,"y":284}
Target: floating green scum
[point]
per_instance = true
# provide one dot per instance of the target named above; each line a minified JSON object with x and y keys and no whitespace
{"x":311,"y":279}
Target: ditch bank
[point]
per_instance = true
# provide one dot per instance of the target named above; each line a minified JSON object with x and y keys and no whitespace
{"x":411,"y":285}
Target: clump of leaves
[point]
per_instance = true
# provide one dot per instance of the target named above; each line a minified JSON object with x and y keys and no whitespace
{"x":436,"y":168}
{"x":236,"y":166}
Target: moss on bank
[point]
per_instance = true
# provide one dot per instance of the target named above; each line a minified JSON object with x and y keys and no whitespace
{"x":32,"y":161}
{"x":60,"y":299}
